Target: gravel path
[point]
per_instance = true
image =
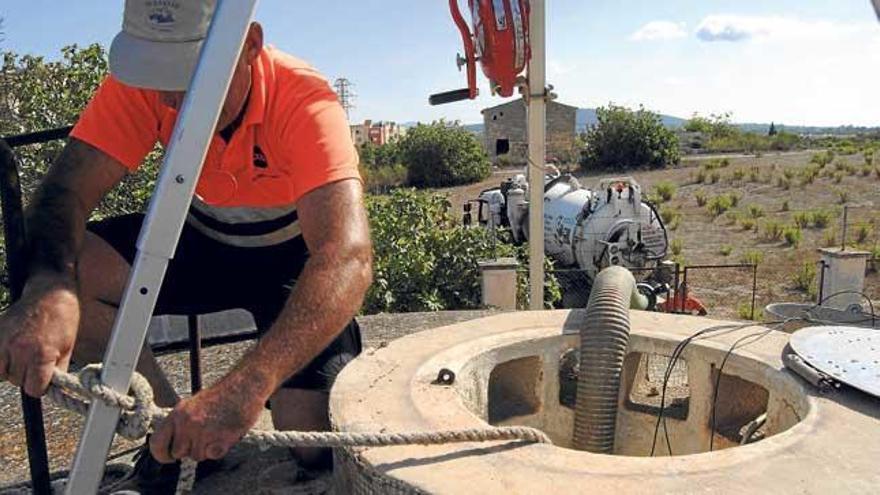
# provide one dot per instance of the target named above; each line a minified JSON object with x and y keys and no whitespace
{"x":63,"y":428}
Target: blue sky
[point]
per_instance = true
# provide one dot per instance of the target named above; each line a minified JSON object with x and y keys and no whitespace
{"x":791,"y":61}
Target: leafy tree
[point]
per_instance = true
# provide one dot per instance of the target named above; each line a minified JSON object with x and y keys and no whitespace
{"x":38,"y":94}
{"x":625,"y":139}
{"x":772,"y":131}
{"x":716,"y":125}
{"x":381,"y":167}
{"x":443,"y":154}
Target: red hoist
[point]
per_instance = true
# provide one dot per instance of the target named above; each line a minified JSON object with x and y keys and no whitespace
{"x":499,"y":41}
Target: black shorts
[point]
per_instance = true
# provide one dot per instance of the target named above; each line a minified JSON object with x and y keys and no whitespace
{"x":207,"y":276}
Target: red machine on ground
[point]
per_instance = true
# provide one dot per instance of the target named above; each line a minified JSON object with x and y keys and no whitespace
{"x":499,"y":41}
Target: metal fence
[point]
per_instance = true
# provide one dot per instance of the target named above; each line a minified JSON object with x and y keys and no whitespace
{"x":725,"y":291}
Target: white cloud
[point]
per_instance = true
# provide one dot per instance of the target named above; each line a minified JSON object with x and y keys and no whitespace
{"x":736,"y":28}
{"x":659,"y":30}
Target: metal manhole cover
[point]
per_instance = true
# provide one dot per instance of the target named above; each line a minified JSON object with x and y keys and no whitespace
{"x":850,"y":355}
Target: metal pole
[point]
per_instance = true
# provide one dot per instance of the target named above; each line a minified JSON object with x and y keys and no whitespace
{"x":684,"y":289}
{"x":161,"y":230}
{"x":16,"y":269}
{"x":754,"y":288}
{"x":537,"y":112}
{"x":195,"y":353}
{"x":843,"y":235}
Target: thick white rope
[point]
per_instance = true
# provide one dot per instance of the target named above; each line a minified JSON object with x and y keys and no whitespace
{"x":140,"y":416}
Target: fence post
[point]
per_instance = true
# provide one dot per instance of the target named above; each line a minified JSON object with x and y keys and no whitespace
{"x":684,"y":291}
{"x":754,"y":288}
{"x":821,"y":292}
{"x":675,"y":285}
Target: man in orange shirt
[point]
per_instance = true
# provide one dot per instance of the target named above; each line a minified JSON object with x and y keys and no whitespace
{"x":277,"y":227}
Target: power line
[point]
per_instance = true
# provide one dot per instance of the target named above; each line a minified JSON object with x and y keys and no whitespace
{"x":345,"y":94}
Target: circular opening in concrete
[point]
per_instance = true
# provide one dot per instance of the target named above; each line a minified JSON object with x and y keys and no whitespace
{"x":537,"y":388}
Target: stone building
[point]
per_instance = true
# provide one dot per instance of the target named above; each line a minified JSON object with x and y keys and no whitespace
{"x":505,"y":130}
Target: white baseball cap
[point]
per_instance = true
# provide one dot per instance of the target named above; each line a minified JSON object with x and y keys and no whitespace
{"x":159,"y":44}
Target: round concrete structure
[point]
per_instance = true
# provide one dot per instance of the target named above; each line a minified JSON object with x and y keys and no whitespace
{"x":508,"y":372}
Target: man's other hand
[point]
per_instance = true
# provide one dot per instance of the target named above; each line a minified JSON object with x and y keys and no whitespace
{"x":37,"y":334}
{"x":208,"y":424}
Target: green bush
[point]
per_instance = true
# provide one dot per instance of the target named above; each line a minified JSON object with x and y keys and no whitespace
{"x":626,"y":139}
{"x":701,"y":198}
{"x":734,"y":198}
{"x":792,"y":235}
{"x":805,"y":278}
{"x":384,"y":178}
{"x":772,"y":230}
{"x":665,"y":190}
{"x":752,"y":257}
{"x":862,"y":232}
{"x":810,"y":174}
{"x":718,"y":205}
{"x":802,"y":219}
{"x":820,"y":218}
{"x":669,"y":214}
{"x":755,"y":211}
{"x":744,"y":311}
{"x":785,"y":206}
{"x":424,"y":259}
{"x":443,"y":154}
{"x":747,"y":223}
{"x":38,"y":94}
{"x":822,"y":159}
{"x":676,"y":247}
{"x":829,"y":238}
{"x":725,"y":250}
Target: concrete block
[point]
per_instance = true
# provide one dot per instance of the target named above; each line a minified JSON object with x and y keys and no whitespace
{"x":844,"y":277}
{"x":499,"y":282}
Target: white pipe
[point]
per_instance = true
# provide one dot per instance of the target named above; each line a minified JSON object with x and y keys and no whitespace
{"x":537,"y":113}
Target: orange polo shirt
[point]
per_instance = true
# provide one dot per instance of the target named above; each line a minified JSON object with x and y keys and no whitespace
{"x":293,"y":137}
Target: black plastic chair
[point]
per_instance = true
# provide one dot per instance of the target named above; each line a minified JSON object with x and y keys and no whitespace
{"x":16,"y":268}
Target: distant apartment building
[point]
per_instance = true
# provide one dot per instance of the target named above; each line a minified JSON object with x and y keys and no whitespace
{"x":378,"y":133}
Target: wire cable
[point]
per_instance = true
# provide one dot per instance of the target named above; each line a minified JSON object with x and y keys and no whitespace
{"x":714,"y":331}
{"x":738,"y":343}
{"x":673,"y":360}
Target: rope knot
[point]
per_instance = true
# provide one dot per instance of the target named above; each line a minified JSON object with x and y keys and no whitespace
{"x":137,"y":411}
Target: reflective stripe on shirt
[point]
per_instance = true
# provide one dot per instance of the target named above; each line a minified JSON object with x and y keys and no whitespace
{"x":245,"y":226}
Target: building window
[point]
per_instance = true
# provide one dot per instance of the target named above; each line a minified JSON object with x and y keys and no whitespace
{"x":502,"y":146}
